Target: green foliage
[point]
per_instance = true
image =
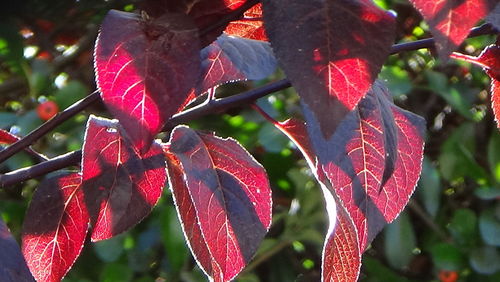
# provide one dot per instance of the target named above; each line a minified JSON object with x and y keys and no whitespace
{"x":454,"y":224}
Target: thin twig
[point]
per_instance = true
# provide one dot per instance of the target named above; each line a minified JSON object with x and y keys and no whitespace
{"x":190,"y":114}
{"x":73,"y":158}
{"x":48,"y":126}
{"x":429,"y":42}
{"x":267,"y":255}
{"x":23,"y":174}
{"x":417,"y":209}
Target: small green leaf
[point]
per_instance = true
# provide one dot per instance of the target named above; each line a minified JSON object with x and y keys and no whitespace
{"x":429,"y":188}
{"x":110,"y":250}
{"x":485,"y":260}
{"x":489,"y":226}
{"x":447,"y":257}
{"x":463,"y":227}
{"x":487,"y":193}
{"x":494,"y":154}
{"x":116,"y":272}
{"x":271,"y":138}
{"x":399,"y":241}
{"x":70,"y":93}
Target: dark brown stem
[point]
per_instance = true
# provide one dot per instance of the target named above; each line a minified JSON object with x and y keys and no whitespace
{"x":429,"y":42}
{"x":23,"y":174}
{"x":212,"y":106}
{"x":48,"y":126}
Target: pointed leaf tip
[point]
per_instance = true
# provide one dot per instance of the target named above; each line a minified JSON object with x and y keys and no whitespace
{"x":223,"y":199}
{"x":55,"y":227}
{"x":331,"y":64}
{"x":121,"y":186}
{"x":145,"y":70}
{"x":451,"y":21}
{"x":373,"y":160}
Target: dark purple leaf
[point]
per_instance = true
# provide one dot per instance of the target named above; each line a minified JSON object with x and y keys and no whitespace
{"x":13,"y":267}
{"x":223,"y":199}
{"x":341,"y":254}
{"x":231,"y":58}
{"x":146,"y":70}
{"x":331,"y":50}
{"x":373,"y":160}
{"x":121,"y":185}
{"x":55,"y":227}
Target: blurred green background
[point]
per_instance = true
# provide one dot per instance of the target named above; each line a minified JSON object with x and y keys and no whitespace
{"x":450,"y":230}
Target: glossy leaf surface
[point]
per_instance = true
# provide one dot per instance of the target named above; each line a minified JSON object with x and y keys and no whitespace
{"x":341,"y":254}
{"x":121,"y":186}
{"x":13,"y":267}
{"x":223,"y":199}
{"x":145,"y":70}
{"x":55,"y":227}
{"x":451,"y":20}
{"x":331,"y":64}
{"x":230,"y":59}
{"x":373,"y":160}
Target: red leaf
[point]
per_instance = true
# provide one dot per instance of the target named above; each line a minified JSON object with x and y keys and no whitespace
{"x":229,"y":59}
{"x":331,"y":64}
{"x":12,"y":264}
{"x":223,"y":199}
{"x":7,"y":137}
{"x":146,"y":70}
{"x":489,"y":60}
{"x":373,"y":160}
{"x":121,"y":185}
{"x":55,"y":227}
{"x":341,"y":254}
{"x":250,"y":26}
{"x":450,"y":21}
{"x":207,"y":12}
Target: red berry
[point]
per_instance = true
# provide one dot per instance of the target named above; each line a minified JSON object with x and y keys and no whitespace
{"x":448,"y":276}
{"x":47,"y":110}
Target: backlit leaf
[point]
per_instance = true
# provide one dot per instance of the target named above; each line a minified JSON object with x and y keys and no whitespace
{"x":121,"y":185}
{"x":373,"y":160}
{"x":489,"y":60}
{"x":250,"y":26}
{"x":341,"y":254}
{"x":7,"y":138}
{"x":331,"y":64}
{"x":451,"y":20}
{"x":145,"y":70}
{"x":208,"y":12}
{"x":230,"y":58}
{"x":13,"y":267}
{"x":223,"y":199}
{"x":55,"y":227}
